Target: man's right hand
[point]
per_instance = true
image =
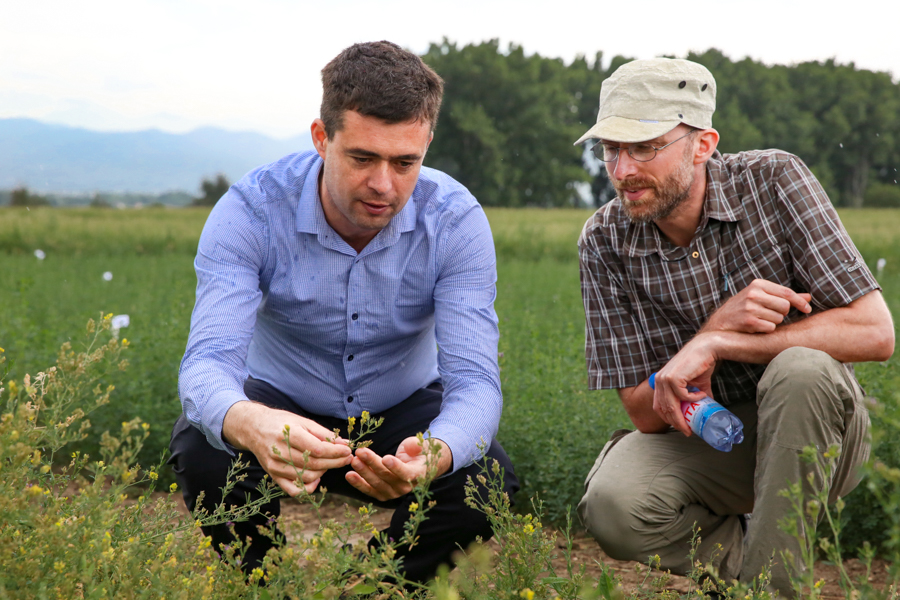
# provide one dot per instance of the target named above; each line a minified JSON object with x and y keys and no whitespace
{"x":758,"y":308}
{"x":258,"y":428}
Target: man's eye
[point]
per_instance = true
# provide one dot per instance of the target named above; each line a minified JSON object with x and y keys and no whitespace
{"x":641,"y":149}
{"x":405,"y":164}
{"x":361,"y":160}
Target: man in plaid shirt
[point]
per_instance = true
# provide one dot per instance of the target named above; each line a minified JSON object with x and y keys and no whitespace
{"x":732,"y":274}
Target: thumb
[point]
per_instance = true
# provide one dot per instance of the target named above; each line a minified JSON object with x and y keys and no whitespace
{"x":410,"y":447}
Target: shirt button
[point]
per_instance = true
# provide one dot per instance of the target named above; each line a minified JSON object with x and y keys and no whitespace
{"x":349,"y":398}
{"x":695,"y":254}
{"x":354,"y":316}
{"x":350,"y":357}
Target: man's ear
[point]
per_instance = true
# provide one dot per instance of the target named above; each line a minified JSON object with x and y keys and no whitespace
{"x":708,"y":140}
{"x":319,"y":137}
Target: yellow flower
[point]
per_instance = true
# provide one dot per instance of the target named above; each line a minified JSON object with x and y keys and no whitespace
{"x":365,"y":416}
{"x":527,"y":594}
{"x":529,"y":529}
{"x":153,"y":476}
{"x":173,"y":487}
{"x":414,"y":507}
{"x":35,"y":490}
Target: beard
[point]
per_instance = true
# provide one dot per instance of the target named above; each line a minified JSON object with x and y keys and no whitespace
{"x":664,"y":197}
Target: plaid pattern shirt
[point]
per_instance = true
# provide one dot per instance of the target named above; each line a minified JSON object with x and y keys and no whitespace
{"x":765,"y":217}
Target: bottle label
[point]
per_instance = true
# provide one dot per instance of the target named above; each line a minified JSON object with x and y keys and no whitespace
{"x":698,"y":413}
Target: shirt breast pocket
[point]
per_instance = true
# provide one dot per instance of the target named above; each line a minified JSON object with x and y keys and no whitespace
{"x":769,"y":261}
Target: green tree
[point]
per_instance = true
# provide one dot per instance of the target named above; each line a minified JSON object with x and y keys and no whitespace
{"x":507,"y":125}
{"x":21,"y":197}
{"x":857,"y":111}
{"x":212,"y":190}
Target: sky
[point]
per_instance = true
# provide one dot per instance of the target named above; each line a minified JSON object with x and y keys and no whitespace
{"x":177,"y":65}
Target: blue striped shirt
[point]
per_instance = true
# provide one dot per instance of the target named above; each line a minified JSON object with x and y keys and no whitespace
{"x":283,"y":298}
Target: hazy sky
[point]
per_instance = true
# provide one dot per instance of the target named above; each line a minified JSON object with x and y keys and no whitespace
{"x":181,"y":64}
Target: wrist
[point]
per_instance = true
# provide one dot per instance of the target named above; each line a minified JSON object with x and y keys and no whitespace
{"x":235,"y":421}
{"x":711,"y":342}
{"x":445,"y":462}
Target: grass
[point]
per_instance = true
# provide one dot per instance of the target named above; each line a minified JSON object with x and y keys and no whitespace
{"x":552,"y":427}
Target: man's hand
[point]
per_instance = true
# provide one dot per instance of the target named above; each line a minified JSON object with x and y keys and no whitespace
{"x":758,"y":308}
{"x":260,"y":429}
{"x":692,"y":366}
{"x":389,"y":477}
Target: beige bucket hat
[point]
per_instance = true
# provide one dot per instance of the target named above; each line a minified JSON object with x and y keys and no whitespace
{"x":645,"y":99}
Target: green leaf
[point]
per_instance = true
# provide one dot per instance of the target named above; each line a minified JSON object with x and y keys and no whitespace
{"x":363,"y":588}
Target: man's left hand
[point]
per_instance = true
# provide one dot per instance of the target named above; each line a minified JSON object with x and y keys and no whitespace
{"x":692,"y":366}
{"x":388,"y":477}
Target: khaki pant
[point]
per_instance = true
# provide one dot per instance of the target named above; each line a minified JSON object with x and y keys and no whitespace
{"x":645,"y":492}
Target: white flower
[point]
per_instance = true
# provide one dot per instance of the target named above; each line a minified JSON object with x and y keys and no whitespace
{"x":40,"y":254}
{"x":117,"y":323}
{"x":107,"y":276}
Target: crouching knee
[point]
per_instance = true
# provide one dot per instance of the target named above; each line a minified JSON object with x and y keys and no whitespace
{"x":608,"y":515}
{"x":802,"y":383}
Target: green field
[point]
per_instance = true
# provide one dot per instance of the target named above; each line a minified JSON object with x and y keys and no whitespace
{"x":552,"y":427}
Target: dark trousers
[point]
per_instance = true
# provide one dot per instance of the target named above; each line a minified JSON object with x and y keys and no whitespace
{"x":450,"y":525}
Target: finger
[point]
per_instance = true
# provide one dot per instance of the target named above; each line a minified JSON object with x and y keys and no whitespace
{"x":365,"y":480}
{"x":803,"y":305}
{"x":406,"y":471}
{"x":765,"y":323}
{"x":295,"y":458}
{"x":354,"y":479}
{"x":411,"y":447}
{"x":374,"y":464}
{"x":794,"y":299}
{"x":323,"y":434}
{"x":303,"y":440}
{"x":277,"y":468}
{"x":371,"y":467}
{"x":669,"y":409}
{"x":288,"y":486}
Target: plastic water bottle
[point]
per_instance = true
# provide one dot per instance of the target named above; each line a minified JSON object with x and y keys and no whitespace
{"x":715,"y":424}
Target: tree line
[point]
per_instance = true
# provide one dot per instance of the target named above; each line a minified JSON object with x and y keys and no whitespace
{"x":509,"y":119}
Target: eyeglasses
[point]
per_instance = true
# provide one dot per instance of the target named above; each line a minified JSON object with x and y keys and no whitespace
{"x":639,"y":152}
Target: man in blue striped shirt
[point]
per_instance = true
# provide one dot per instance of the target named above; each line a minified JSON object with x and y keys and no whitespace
{"x":348,"y":280}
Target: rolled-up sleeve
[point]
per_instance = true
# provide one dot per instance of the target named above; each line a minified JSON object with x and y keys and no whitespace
{"x":229,"y":261}
{"x":825,"y":259}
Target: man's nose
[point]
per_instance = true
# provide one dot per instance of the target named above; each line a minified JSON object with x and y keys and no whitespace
{"x":380,"y":178}
{"x":624,"y":166}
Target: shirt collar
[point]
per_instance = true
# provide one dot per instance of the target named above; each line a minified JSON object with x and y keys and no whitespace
{"x":723,"y":200}
{"x":723,"y":203}
{"x":311,"y":216}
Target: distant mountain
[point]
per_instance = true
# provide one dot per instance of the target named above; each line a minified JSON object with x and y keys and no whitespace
{"x":58,"y":159}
